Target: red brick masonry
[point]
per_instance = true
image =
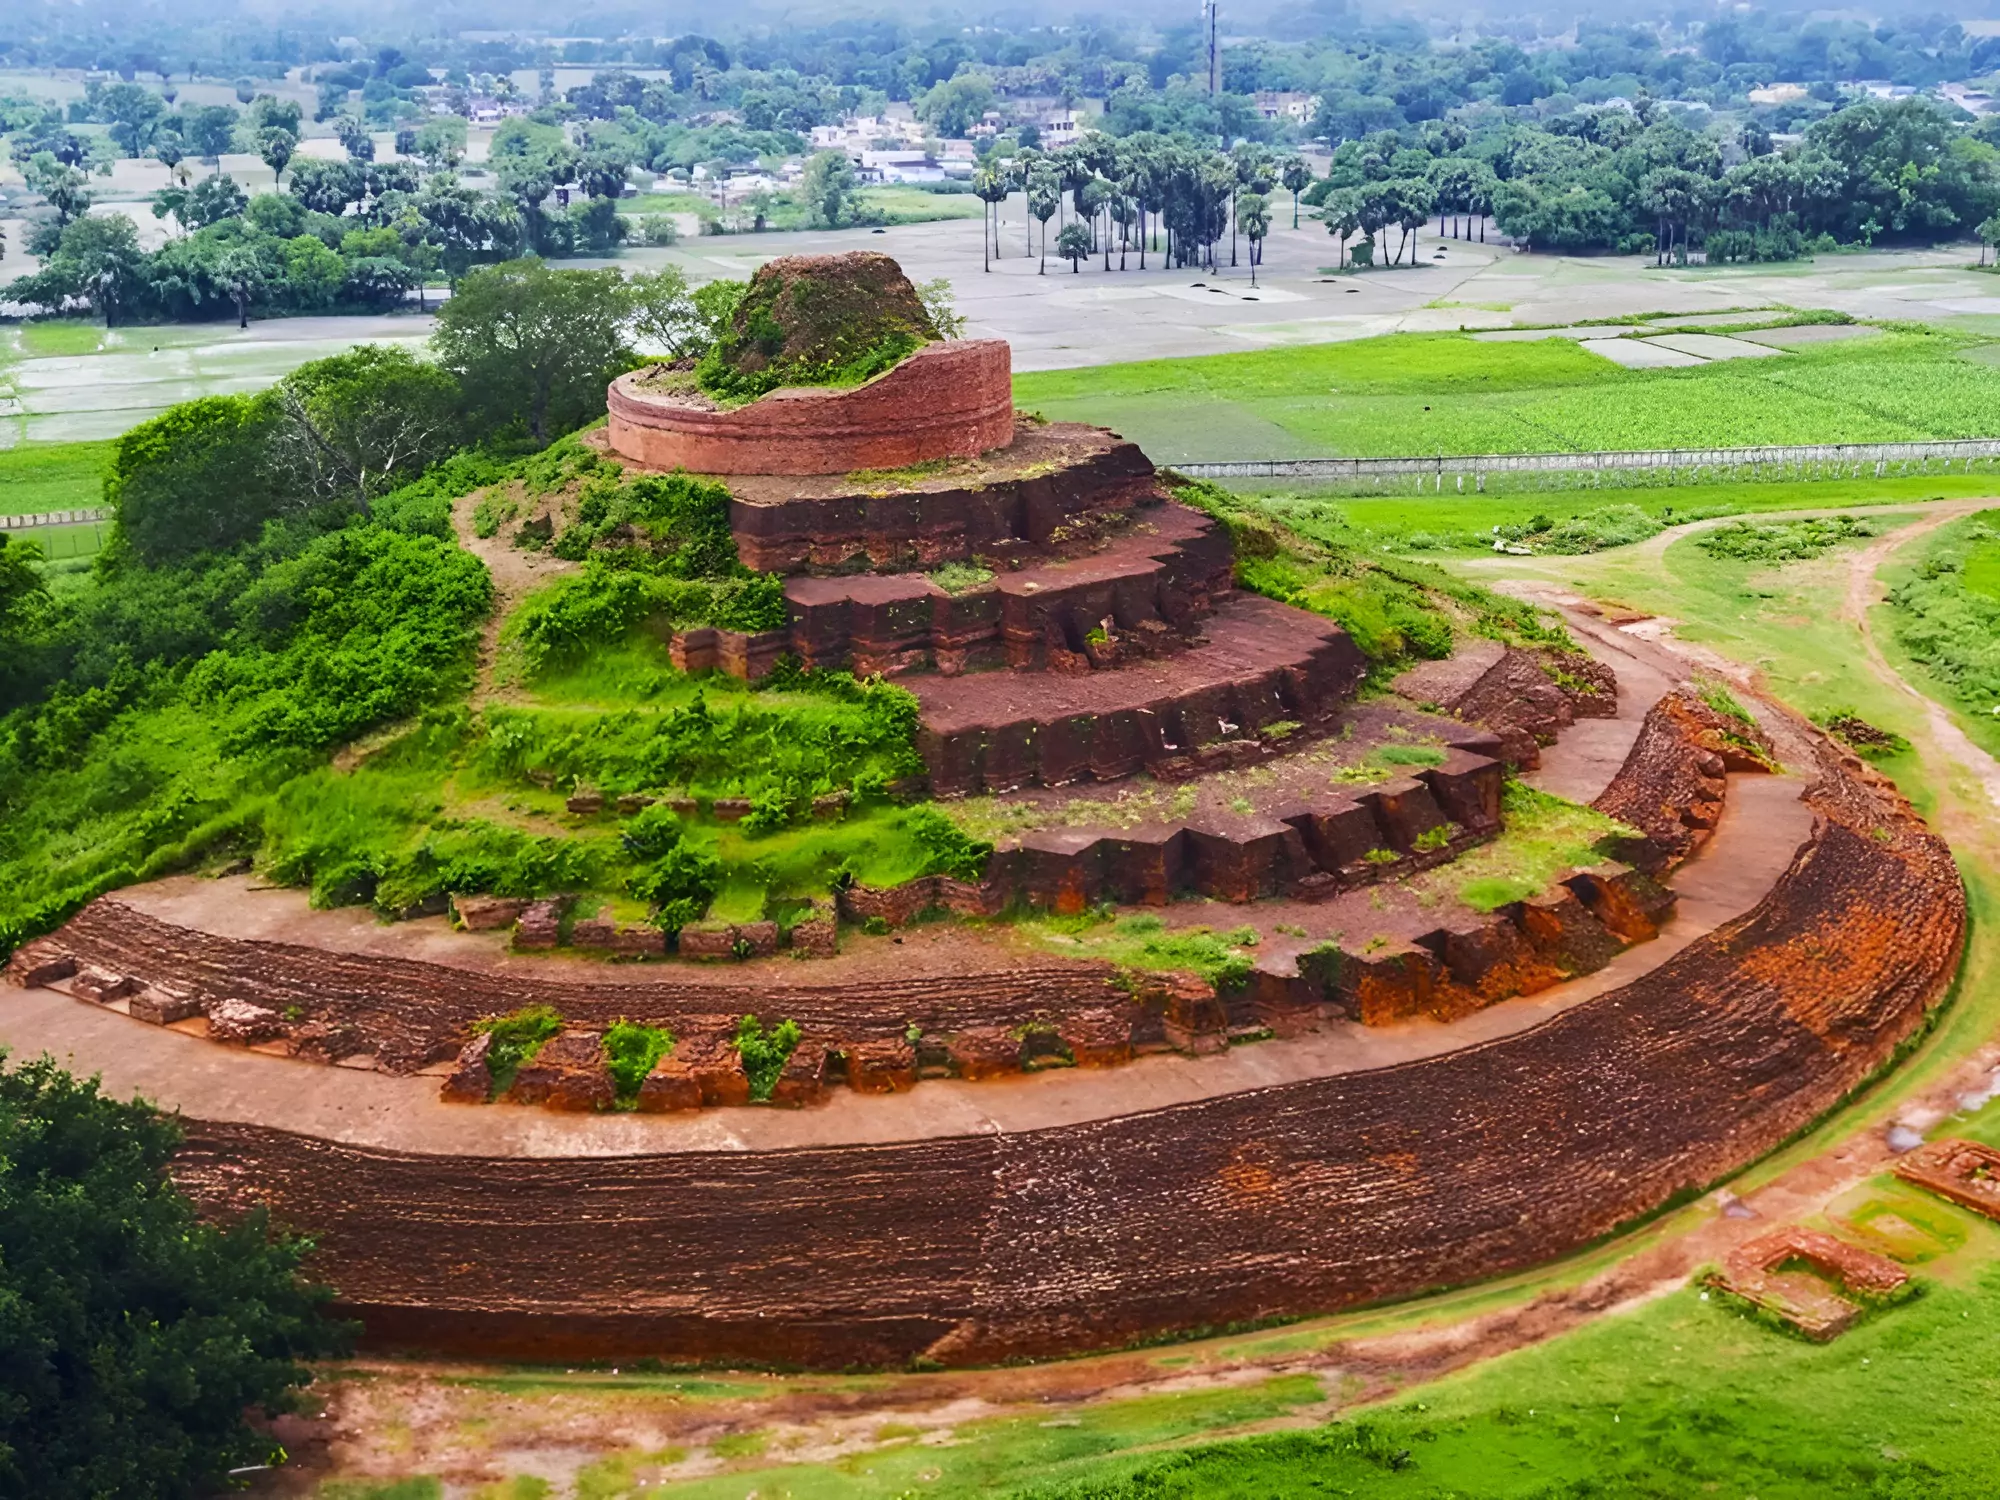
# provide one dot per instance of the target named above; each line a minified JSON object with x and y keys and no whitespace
{"x":1787,"y":1273}
{"x":1288,"y":1200}
{"x":948,"y":400}
{"x":1966,"y":1172}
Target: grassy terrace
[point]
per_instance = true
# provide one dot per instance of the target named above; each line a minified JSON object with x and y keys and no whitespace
{"x":1408,"y":394}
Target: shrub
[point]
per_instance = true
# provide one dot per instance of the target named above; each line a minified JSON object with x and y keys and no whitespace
{"x":1781,"y":541}
{"x":630,"y":1053}
{"x":1613,"y":526}
{"x":765,"y":1053}
{"x":681,"y":884}
{"x":516,"y":1040}
{"x":948,"y":849}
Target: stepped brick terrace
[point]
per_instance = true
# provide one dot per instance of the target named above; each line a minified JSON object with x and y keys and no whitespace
{"x":986,"y":1144}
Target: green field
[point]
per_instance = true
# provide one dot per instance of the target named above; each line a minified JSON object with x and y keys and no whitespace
{"x":1449,"y":524}
{"x":1415,"y":394}
{"x":39,"y":477}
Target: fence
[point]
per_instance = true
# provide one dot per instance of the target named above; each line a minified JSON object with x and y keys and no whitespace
{"x":1665,"y":466}
{"x":83,"y":517}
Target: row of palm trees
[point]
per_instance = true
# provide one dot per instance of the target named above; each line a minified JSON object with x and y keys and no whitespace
{"x":1130,"y":190}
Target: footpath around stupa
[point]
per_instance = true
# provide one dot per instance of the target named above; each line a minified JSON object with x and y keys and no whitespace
{"x":976,"y":1149}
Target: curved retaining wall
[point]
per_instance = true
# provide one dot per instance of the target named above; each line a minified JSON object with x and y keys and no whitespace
{"x":948,"y":400}
{"x":1289,"y":1200}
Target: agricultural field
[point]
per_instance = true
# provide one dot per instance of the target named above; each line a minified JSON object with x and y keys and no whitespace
{"x":39,"y":477}
{"x":1419,"y":394}
{"x":1595,"y":518}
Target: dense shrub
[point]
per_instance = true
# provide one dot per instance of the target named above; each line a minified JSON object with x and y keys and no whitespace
{"x":1612,"y":526}
{"x":363,"y":625}
{"x":1948,"y":618}
{"x":765,"y":1053}
{"x":630,"y":1053}
{"x":1781,"y":541}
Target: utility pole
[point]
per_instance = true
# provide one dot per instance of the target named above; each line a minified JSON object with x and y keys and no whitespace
{"x":1214,"y":56}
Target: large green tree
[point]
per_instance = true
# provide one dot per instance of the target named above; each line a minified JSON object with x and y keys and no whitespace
{"x":359,"y":424}
{"x":134,"y":1337}
{"x":535,"y":347}
{"x":194,"y":479}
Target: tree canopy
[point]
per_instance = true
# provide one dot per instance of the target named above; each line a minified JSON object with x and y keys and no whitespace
{"x":135,"y":1338}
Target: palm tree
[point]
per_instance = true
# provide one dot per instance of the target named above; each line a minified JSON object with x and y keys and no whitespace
{"x":1253,"y":212}
{"x":1296,"y":177}
{"x":992,"y":189}
{"x":1989,"y":234}
{"x":1341,"y":213}
{"x":1044,"y":200}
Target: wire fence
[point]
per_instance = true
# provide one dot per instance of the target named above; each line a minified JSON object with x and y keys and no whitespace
{"x":1504,"y":472}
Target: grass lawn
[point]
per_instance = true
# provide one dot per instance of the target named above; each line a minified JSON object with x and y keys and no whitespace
{"x":1413,"y":394}
{"x":39,"y":477}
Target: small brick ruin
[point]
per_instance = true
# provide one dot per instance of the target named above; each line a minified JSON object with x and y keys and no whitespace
{"x":1965,"y":1172}
{"x":1798,"y":1276}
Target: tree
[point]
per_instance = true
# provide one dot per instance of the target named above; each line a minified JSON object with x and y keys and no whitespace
{"x":1253,"y":214}
{"x":666,"y":316}
{"x":1073,"y":244}
{"x":133,"y":112}
{"x":825,"y":186}
{"x":326,"y":187}
{"x":954,"y":106}
{"x":1989,"y":235}
{"x":208,"y":129}
{"x":991,"y":187}
{"x":193,"y":479}
{"x":1044,"y":199}
{"x":239,"y":271}
{"x":276,"y":145}
{"x":359,"y":424}
{"x":441,"y":142}
{"x":169,"y":150}
{"x":354,"y":138}
{"x":24,"y":610}
{"x":138,"y":1335}
{"x":1297,"y":177}
{"x":535,"y":346}
{"x":313,"y":273}
{"x":65,"y":188}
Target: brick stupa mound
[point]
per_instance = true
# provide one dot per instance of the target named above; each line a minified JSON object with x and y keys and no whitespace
{"x":847,"y":372}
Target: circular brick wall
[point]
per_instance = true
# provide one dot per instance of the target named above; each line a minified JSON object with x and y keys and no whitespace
{"x":949,"y":400}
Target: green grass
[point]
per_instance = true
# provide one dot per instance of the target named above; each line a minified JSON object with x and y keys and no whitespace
{"x":54,"y":337}
{"x":992,"y":1454}
{"x":1414,"y":394}
{"x":1545,"y":837}
{"x":1451,"y":523}
{"x":1679,"y":1400}
{"x":40,"y":477}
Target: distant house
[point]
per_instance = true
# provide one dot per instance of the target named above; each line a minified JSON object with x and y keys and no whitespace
{"x":1778,"y":93}
{"x":1285,"y":104}
{"x":914,"y":165}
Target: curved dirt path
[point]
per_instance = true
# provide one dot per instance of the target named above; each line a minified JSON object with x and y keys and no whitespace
{"x":516,"y":573}
{"x":1864,"y":592}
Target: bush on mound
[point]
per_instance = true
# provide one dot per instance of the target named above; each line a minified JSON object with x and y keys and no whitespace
{"x":817,"y":320}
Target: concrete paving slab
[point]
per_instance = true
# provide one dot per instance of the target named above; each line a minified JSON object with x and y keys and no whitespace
{"x":1713,"y":346}
{"x":1638,"y":354}
{"x":1809,"y":333}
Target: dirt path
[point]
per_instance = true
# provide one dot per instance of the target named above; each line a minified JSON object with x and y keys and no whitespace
{"x":1864,"y":592}
{"x":516,"y":573}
